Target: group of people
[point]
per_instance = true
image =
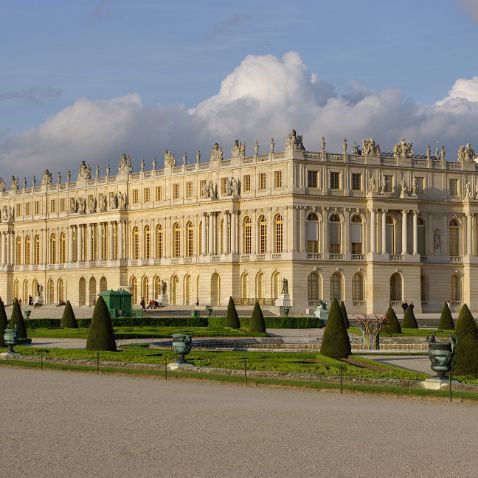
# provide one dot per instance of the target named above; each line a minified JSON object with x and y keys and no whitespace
{"x":152,"y":304}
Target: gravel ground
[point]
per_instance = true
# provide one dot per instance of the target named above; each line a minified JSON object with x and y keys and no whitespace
{"x":59,"y":424}
{"x":419,"y":363}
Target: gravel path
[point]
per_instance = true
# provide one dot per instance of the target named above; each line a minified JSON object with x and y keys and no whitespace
{"x":419,"y":363}
{"x":59,"y":424}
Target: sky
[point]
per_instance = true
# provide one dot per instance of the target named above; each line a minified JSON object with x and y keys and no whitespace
{"x":90,"y":80}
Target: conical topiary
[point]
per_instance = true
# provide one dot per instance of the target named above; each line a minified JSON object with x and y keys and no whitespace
{"x":100,"y":332}
{"x":232,"y":319}
{"x":68,"y":320}
{"x":392,"y":325}
{"x":3,"y":323}
{"x":17,"y":320}
{"x":465,"y":361}
{"x":446,"y":320}
{"x":335,"y":342}
{"x":343,"y":310}
{"x":257,"y":323}
{"x":465,"y":323}
{"x":409,"y":320}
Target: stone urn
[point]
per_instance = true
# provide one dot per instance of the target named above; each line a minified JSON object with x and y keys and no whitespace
{"x":182,"y":344}
{"x":11,"y":339}
{"x":441,"y":355}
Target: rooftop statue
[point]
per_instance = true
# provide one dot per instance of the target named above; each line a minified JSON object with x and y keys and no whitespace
{"x":84,"y":171}
{"x":403,"y":149}
{"x":198,"y":156}
{"x":216,"y":153}
{"x":124,"y":166}
{"x":294,"y":142}
{"x":466,"y":154}
{"x":14,"y":183}
{"x":238,"y":149}
{"x":2,"y":185}
{"x":370,"y":147}
{"x":46,"y":179}
{"x":169,"y":159}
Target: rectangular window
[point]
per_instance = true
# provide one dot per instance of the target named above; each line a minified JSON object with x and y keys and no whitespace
{"x":223,"y":185}
{"x":18,"y":210}
{"x":453,"y":187}
{"x":37,"y":207}
{"x":419,"y":184}
{"x":62,"y":205}
{"x":146,"y":195}
{"x":27,"y":209}
{"x":53,"y":206}
{"x":262,"y":181}
{"x":334,"y":180}
{"x":203,"y":188}
{"x":388,"y":183}
{"x":176,"y":191}
{"x":159,"y":193}
{"x":247,"y":183}
{"x":277,"y":179}
{"x":135,"y":196}
{"x":356,"y":182}
{"x":189,"y":189}
{"x":312,"y":179}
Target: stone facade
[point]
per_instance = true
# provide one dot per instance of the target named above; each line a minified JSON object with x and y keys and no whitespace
{"x":367,"y":227}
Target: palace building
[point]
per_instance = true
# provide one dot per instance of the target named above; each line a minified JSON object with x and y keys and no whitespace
{"x":367,"y":227}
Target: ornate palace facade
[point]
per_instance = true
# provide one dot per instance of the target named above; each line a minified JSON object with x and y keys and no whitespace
{"x":365,"y":226}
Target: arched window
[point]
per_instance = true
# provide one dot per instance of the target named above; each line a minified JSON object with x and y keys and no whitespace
{"x":390,"y":242}
{"x":18,"y":251}
{"x":92,"y":291}
{"x":16,"y":289}
{"x":145,"y":288}
{"x":396,"y":290}
{"x":62,"y":248}
{"x":27,"y":253}
{"x":157,"y":286}
{"x":262,"y":235}
{"x":135,"y":243}
{"x":174,"y":290}
{"x":215,"y":290}
{"x":104,"y":242}
{"x":74,"y":252}
{"x":134,"y":289}
{"x":456,"y":289}
{"x":53,"y":249}
{"x":423,"y":288}
{"x":356,"y":234}
{"x":421,"y":237}
{"x":278,"y":234}
{"x":147,"y":243}
{"x":312,"y":225}
{"x":260,"y":286}
{"x":50,"y":292}
{"x":36,"y":250}
{"x":199,"y":236}
{"x":336,"y":287}
{"x":61,"y":291}
{"x":222,"y":238}
{"x":275,"y":285}
{"x":247,"y":237}
{"x":335,"y":234}
{"x":176,"y":240}
{"x":313,"y":287}
{"x":189,"y":239}
{"x":103,"y":284}
{"x":159,"y":241}
{"x":454,"y":245}
{"x":187,"y":290}
{"x":25,"y":291}
{"x":245,"y":286}
{"x":358,"y":288}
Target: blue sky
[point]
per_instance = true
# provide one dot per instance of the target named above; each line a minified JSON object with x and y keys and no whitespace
{"x":169,"y":54}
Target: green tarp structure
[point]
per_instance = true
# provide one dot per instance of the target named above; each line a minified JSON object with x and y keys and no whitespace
{"x":118,"y":302}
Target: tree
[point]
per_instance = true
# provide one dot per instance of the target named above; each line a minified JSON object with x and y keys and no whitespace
{"x":3,"y":323}
{"x":465,"y":361}
{"x":409,"y":320}
{"x":17,"y":320}
{"x":68,"y":320}
{"x":257,"y":323}
{"x":343,"y":310}
{"x":335,"y":342}
{"x":100,"y":332}
{"x":232,"y":319}
{"x":446,"y":320}
{"x":392,"y":325}
{"x":465,"y":323}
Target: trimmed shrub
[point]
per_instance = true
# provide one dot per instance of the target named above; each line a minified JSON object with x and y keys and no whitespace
{"x":3,"y":322}
{"x":343,"y":310}
{"x":446,"y":320}
{"x":100,"y":332}
{"x":68,"y":320}
{"x":257,"y":323}
{"x":335,"y":342}
{"x":232,"y":319}
{"x":409,"y":320}
{"x":392,"y":326}
{"x":465,"y":323}
{"x":465,"y":361}
{"x":215,"y":322}
{"x":17,"y":320}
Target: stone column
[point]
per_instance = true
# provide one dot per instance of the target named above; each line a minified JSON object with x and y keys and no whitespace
{"x":225,"y":233}
{"x":325,"y":233}
{"x":468,"y":234}
{"x":204,"y":235}
{"x":2,"y":248}
{"x":119,"y":244}
{"x":346,"y":231}
{"x":372,"y":231}
{"x":404,"y":231}
{"x":70,"y":244}
{"x":302,"y":243}
{"x":78,"y":243}
{"x":415,"y":233}
{"x":234,"y":218}
{"x":384,"y":231}
{"x":213,"y":233}
{"x":110,"y":250}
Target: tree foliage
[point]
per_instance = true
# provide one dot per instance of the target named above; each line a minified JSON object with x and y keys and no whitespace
{"x":3,"y":322}
{"x":465,"y":361}
{"x":392,"y":326}
{"x":17,"y":321}
{"x":335,"y":342}
{"x":232,"y":318}
{"x":68,"y":320}
{"x":343,"y":310}
{"x":446,"y":320}
{"x":100,"y":332}
{"x":465,"y":324}
{"x":257,"y":323}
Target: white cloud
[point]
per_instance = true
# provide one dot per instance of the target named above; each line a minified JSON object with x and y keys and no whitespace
{"x":263,"y":97}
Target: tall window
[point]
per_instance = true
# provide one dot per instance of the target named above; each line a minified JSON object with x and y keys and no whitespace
{"x":189,"y":189}
{"x":262,"y":235}
{"x":312,"y":225}
{"x":312,"y":179}
{"x":453,"y":187}
{"x":104,"y":242}
{"x":357,"y":288}
{"x":277,"y":179}
{"x":176,"y":240}
{"x":133,"y":282}
{"x":36,"y":250}
{"x":356,"y":234}
{"x":456,"y":289}
{"x":53,"y":249}
{"x":176,"y":191}
{"x":388,"y":183}
{"x":135,"y":196}
{"x":396,"y":292}
{"x":247,"y":183}
{"x":147,"y":242}
{"x":245,"y":286}
{"x":335,"y":246}
{"x":260,"y":286}
{"x":247,"y":237}
{"x":18,"y":250}
{"x":159,"y":193}
{"x":135,"y":243}
{"x":146,"y":195}
{"x":278,"y":234}
{"x":454,"y":238}
{"x":27,"y":251}
{"x":313,"y":288}
{"x":62,"y":248}
{"x":189,"y":239}
{"x":159,"y":241}
{"x":336,"y":286}
{"x":423,"y":288}
{"x":262,"y":181}
{"x":334,"y":180}
{"x":356,"y":182}
{"x":390,"y":235}
{"x":421,"y":236}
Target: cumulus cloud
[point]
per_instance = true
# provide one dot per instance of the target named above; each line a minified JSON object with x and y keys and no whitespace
{"x":263,"y":97}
